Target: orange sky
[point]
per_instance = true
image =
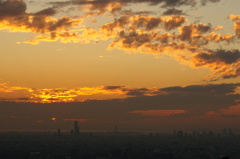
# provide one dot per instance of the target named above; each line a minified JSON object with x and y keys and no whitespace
{"x":127,"y":63}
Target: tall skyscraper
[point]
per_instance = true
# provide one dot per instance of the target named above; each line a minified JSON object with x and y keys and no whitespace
{"x":59,"y":132}
{"x":76,"y":129}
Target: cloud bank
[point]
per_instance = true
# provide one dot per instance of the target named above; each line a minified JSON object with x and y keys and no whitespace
{"x":171,"y":33}
{"x":179,"y":104}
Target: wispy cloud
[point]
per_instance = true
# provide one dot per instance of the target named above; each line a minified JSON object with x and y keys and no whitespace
{"x":102,"y":4}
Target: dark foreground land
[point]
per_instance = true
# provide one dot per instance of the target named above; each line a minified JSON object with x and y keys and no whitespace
{"x":15,"y":145}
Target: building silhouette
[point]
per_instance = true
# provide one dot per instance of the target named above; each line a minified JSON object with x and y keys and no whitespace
{"x":76,"y":129}
{"x":59,"y":132}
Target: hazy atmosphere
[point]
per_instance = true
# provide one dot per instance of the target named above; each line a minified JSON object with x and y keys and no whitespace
{"x":143,"y":65}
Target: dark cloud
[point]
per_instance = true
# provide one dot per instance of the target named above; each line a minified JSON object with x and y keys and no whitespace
{"x":138,"y":92}
{"x":174,"y":22}
{"x":204,"y":2}
{"x":187,"y":32}
{"x":196,"y":100}
{"x":47,"y":12}
{"x":12,"y":8}
{"x":219,"y":56}
{"x":177,"y":3}
{"x":206,"y":89}
{"x":134,"y":39}
{"x":26,"y":99}
{"x":173,"y":11}
{"x":143,"y":13}
{"x":153,"y":23}
{"x":112,"y":87}
{"x":166,"y":3}
{"x":224,"y":63}
{"x":101,"y":5}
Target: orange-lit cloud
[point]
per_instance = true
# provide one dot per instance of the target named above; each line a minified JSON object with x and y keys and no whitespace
{"x":64,"y":37}
{"x":150,"y":35}
{"x":231,"y":111}
{"x":236,"y":19}
{"x":144,"y":23}
{"x":159,"y":112}
{"x":4,"y":87}
{"x":69,"y":95}
{"x":212,"y":113}
{"x":37,"y":24}
{"x":14,"y":18}
{"x":25,"y":94}
{"x":222,"y":62}
{"x":173,"y":35}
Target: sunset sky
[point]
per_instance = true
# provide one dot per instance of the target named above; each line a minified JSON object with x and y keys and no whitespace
{"x":144,"y":65}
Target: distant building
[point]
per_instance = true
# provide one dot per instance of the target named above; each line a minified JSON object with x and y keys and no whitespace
{"x":76,"y":129}
{"x":59,"y":132}
{"x":180,"y":133}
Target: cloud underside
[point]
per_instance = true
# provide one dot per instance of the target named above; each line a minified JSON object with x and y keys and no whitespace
{"x":193,"y":98}
{"x":172,"y":34}
{"x":140,"y":105}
